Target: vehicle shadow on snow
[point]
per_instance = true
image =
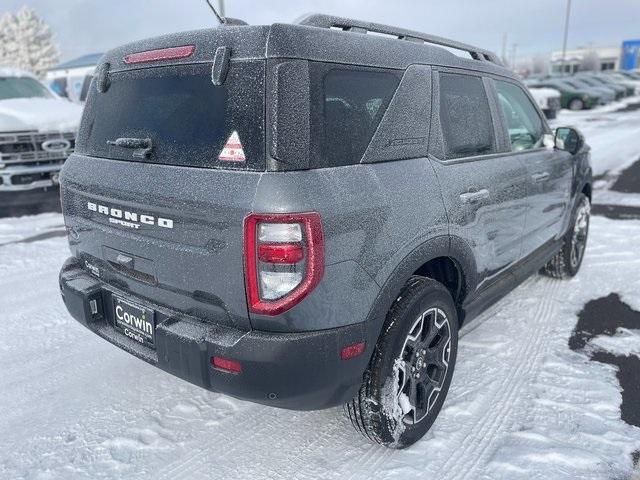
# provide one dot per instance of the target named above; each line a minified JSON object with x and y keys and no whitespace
{"x":604,"y":316}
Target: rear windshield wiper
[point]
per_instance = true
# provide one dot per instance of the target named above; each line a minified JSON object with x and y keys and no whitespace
{"x":141,"y":146}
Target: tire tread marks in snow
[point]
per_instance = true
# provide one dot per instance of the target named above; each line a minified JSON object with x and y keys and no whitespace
{"x":475,"y":451}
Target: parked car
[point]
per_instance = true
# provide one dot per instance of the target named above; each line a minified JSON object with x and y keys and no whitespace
{"x":306,"y":219}
{"x":548,"y":99}
{"x":572,"y":96}
{"x":37,"y":133}
{"x":627,"y":79}
{"x":607,"y":94}
{"x":628,"y":88}
{"x":619,"y":91}
{"x":629,"y":75}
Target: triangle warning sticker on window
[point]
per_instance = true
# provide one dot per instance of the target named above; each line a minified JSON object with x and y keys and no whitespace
{"x":232,"y":151}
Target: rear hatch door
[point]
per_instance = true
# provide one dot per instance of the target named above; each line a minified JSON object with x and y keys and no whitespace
{"x":164,"y":173}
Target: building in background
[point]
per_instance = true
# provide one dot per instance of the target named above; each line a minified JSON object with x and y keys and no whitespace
{"x":630,"y":55}
{"x":590,"y":58}
{"x":71,"y":79}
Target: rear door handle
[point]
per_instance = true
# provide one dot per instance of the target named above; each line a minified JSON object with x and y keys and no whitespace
{"x":474,"y":197}
{"x":540,"y":177}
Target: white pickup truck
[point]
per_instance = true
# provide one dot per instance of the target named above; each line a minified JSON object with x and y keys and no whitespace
{"x":37,"y":134}
{"x":547,"y":99}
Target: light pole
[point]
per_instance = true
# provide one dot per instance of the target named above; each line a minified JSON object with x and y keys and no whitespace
{"x":566,"y":33}
{"x":504,"y":48}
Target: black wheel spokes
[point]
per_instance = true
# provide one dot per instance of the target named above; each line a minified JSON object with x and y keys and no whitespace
{"x":423,"y":365}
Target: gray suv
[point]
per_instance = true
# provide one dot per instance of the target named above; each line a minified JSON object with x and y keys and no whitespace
{"x":303,"y":215}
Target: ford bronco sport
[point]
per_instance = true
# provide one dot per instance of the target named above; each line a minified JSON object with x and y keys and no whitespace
{"x":303,"y":215}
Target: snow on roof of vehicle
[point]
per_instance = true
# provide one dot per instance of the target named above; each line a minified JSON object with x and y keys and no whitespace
{"x":15,"y":72}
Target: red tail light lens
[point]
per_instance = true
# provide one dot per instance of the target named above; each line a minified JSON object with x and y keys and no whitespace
{"x":284,"y":259}
{"x":160,"y":54}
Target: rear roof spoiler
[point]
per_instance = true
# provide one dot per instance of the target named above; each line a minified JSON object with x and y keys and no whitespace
{"x":358,"y":26}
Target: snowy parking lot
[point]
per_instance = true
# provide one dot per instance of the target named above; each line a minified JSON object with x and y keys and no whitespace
{"x":547,"y":384}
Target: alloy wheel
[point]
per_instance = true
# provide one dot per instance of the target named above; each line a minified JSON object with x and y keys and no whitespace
{"x":579,"y":235}
{"x":422,"y":366}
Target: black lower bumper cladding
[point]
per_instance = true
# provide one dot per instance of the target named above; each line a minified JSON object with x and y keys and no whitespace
{"x":300,"y":371}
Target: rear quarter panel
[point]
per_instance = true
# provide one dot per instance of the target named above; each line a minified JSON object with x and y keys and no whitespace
{"x":373,"y":216}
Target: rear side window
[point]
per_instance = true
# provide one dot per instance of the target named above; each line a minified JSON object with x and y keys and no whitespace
{"x":187,"y":118}
{"x":465,"y":117}
{"x":352,"y":102}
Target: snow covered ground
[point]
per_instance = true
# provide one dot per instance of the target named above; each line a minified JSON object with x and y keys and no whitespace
{"x":522,"y":404}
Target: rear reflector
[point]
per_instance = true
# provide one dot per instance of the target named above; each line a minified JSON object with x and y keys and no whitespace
{"x":161,"y":54}
{"x":226,"y":364}
{"x":352,"y":351}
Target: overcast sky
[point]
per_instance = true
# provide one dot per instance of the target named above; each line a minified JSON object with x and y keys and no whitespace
{"x":88,"y":26}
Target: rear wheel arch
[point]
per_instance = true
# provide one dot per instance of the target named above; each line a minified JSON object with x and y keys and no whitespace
{"x":431,"y":259}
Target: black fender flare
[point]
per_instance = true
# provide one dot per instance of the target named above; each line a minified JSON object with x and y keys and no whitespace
{"x":441,"y":246}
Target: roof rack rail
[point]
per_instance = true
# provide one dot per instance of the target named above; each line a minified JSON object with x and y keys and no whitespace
{"x":358,"y":26}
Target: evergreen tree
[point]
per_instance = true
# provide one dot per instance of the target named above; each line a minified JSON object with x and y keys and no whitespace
{"x":26,"y":42}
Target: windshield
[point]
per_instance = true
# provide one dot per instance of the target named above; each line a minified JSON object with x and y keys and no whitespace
{"x":588,"y":82}
{"x":22,"y":87}
{"x":598,"y":81}
{"x":571,"y":84}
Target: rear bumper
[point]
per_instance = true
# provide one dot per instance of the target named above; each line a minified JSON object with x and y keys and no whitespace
{"x":300,"y":371}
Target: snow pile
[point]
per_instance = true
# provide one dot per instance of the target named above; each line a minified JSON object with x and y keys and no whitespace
{"x":15,"y":72}
{"x":625,"y":342}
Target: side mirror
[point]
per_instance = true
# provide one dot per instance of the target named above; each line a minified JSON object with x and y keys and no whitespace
{"x":568,"y":139}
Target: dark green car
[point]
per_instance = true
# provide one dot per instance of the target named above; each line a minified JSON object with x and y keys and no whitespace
{"x":571,"y":97}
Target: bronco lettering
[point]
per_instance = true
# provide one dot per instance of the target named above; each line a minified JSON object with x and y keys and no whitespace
{"x":116,"y":213}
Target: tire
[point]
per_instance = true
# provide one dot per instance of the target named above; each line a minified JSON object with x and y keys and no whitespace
{"x":567,"y":261}
{"x":576,"y":104}
{"x":420,"y":331}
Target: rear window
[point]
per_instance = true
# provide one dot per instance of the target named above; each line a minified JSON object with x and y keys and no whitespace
{"x":187,"y":118}
{"x":351,"y":102}
{"x":465,"y":116}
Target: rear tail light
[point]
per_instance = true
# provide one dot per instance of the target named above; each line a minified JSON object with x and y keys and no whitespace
{"x":160,"y":54}
{"x":284,"y":259}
